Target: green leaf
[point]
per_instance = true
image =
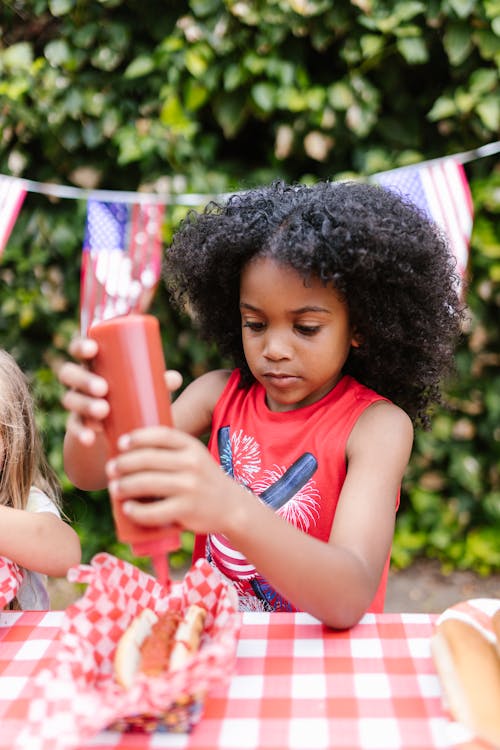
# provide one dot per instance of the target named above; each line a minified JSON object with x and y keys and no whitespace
{"x":204,"y":8}
{"x":413,"y":49}
{"x":483,"y":81}
{"x":61,"y":7}
{"x":264,"y":96}
{"x":465,"y":101}
{"x":315,"y":98}
{"x":442,"y":108}
{"x":463,"y":8}
{"x":371,"y":44}
{"x":85,"y":36}
{"x":255,"y":64}
{"x":195,"y":95}
{"x":487,"y":42}
{"x":128,"y":146}
{"x":234,"y":76}
{"x":387,"y":23}
{"x":14,"y":89}
{"x":361,"y":118}
{"x":293,"y":100}
{"x":172,"y":114}
{"x":17,"y":57}
{"x":483,"y":550}
{"x":340,"y":95}
{"x":488,"y":110}
{"x":406,"y":10}
{"x":457,"y":42}
{"x":495,"y":271}
{"x":492,"y":9}
{"x":141,"y":66}
{"x":57,"y":53}
{"x":197,"y":60}
{"x":230,"y":112}
{"x":106,"y":58}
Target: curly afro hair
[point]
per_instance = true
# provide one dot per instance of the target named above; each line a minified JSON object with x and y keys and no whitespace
{"x":388,"y":261}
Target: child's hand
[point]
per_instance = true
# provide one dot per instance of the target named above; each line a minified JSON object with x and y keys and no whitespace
{"x":176,"y":468}
{"x":85,"y":398}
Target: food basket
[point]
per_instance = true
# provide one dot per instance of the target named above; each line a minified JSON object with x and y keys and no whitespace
{"x":77,"y":695}
{"x":11,"y":577}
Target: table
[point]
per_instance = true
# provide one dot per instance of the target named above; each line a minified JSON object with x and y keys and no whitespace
{"x":297,"y":685}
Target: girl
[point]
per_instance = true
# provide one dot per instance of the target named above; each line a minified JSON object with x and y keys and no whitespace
{"x":337,"y":305}
{"x":32,"y":533}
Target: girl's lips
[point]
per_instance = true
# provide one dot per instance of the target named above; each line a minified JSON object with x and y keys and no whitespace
{"x":280,"y":379}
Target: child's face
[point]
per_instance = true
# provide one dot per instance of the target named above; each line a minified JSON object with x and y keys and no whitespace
{"x":296,"y":338}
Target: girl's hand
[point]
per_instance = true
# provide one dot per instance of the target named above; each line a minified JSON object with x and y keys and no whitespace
{"x":168,"y":464}
{"x":85,"y":397}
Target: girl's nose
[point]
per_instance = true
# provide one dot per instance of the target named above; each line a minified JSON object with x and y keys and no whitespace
{"x":276,"y":346}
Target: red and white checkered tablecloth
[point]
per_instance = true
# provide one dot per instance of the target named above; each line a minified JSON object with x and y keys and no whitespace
{"x":297,"y":685}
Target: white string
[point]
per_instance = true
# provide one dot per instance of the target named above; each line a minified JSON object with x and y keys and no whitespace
{"x":197,"y":199}
{"x":462,"y":158}
{"x":115,"y":196}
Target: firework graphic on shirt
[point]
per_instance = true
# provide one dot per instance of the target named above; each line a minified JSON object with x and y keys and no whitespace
{"x":302,"y":510}
{"x":291,"y":492}
{"x":246,"y":457}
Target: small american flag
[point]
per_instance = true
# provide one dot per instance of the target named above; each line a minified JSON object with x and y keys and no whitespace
{"x":12,"y":192}
{"x":121,"y":260}
{"x":441,"y":190}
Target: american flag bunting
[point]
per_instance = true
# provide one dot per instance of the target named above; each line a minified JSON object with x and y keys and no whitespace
{"x":12,"y":192}
{"x":121,"y":259}
{"x":440,"y":188}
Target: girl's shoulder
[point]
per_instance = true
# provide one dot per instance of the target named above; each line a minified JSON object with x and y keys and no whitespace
{"x":382,"y":423}
{"x":209,"y":386}
{"x":193,"y":409}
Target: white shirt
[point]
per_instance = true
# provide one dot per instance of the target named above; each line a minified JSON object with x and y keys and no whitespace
{"x":33,"y":592}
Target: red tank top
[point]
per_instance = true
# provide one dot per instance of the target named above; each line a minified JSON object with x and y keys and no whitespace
{"x":294,"y":460}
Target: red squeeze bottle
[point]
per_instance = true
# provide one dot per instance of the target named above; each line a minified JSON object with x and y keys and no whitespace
{"x":130,"y":358}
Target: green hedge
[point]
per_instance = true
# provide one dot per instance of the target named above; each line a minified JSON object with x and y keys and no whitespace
{"x":210,"y":95}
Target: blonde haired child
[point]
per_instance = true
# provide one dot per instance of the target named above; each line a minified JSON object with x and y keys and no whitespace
{"x":32,"y":533}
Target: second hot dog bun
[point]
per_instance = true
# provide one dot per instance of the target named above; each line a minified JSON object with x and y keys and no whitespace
{"x":187,"y":637}
{"x":154,"y":644}
{"x":468,"y":666}
{"x":495,"y":621}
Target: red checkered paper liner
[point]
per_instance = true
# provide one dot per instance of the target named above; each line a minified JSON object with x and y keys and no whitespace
{"x":11,"y":577}
{"x":78,"y":696}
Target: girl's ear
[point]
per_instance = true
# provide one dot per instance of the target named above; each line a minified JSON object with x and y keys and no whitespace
{"x":356,"y":340}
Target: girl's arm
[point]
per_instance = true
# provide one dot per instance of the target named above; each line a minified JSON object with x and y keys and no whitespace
{"x":337,"y":582}
{"x":334,"y":581}
{"x":41,"y":542}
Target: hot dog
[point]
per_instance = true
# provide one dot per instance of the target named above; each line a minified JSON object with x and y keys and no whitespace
{"x":468,"y":666}
{"x":153,"y":644}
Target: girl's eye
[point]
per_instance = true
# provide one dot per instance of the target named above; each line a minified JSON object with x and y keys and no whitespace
{"x":307,"y":330}
{"x":254,"y":325}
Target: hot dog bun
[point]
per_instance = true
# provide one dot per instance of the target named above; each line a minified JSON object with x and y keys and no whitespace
{"x":187,"y":637}
{"x":128,"y":651}
{"x":153,"y":644}
{"x":468,"y":666}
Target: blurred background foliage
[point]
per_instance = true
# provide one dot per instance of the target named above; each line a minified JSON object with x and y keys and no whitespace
{"x":209,"y":96}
